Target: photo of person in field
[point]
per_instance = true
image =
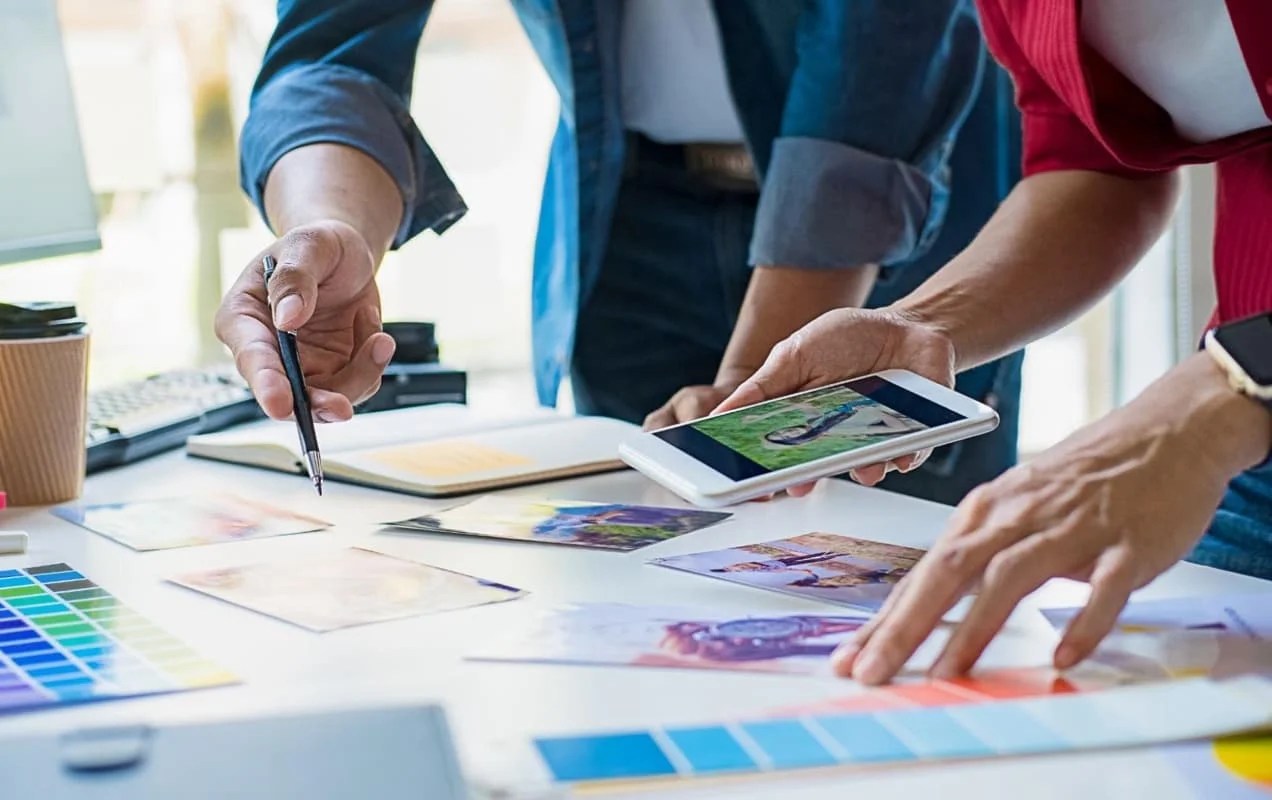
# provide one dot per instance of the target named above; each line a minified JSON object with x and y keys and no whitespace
{"x":798,"y":430}
{"x":847,"y":418}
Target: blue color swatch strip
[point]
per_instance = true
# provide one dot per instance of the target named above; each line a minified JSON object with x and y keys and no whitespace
{"x":709,"y":750}
{"x":1008,"y":727}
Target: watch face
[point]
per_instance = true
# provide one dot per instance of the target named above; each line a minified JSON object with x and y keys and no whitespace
{"x":1249,"y":342}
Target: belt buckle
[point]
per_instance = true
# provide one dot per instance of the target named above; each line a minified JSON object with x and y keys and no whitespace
{"x":727,"y":165}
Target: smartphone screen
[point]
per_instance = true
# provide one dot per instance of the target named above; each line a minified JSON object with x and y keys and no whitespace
{"x":793,"y":431}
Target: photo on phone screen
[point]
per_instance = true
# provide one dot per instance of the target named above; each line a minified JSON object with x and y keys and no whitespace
{"x":793,"y":431}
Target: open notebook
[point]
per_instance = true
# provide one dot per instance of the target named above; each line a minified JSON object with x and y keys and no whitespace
{"x":434,"y":451}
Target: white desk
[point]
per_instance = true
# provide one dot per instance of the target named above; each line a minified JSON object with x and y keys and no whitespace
{"x":284,"y":667}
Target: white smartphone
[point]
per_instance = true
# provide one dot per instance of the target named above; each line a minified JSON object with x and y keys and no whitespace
{"x":754,"y":451}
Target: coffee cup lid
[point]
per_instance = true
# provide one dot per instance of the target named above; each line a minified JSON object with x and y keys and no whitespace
{"x":41,"y":320}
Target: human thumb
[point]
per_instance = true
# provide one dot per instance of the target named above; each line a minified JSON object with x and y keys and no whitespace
{"x":304,"y":259}
{"x":780,"y":375}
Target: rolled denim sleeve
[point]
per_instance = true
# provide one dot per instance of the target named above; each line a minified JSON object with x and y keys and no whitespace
{"x":340,"y":72}
{"x":859,"y":173}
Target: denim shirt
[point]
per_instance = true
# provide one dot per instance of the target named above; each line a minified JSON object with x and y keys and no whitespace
{"x":849,"y":107}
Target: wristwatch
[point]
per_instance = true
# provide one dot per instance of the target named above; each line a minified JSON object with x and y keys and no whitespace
{"x":1243,"y":350}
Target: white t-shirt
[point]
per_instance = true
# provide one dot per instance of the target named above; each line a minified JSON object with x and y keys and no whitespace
{"x":674,"y":85}
{"x":1183,"y":54}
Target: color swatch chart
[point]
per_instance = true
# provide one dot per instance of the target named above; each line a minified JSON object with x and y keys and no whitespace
{"x":1137,"y":715}
{"x":989,"y":686}
{"x":64,"y":639}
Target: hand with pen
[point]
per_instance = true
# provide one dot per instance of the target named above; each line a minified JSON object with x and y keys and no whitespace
{"x":338,"y":211}
{"x":324,"y":290}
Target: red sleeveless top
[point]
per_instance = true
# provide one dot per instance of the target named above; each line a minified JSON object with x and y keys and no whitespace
{"x":1079,"y":112}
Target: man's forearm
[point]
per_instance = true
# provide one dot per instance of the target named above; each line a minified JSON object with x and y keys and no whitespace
{"x":1058,"y":243}
{"x":332,"y":181}
{"x":781,"y":300}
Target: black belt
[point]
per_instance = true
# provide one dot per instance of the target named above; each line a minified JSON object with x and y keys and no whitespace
{"x":727,"y":167}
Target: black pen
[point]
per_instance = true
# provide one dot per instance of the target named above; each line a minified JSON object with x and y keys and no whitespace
{"x":300,"y":393}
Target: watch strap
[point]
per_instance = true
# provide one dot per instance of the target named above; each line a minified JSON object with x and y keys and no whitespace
{"x":1239,"y":380}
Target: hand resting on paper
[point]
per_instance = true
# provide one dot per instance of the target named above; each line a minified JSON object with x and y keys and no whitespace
{"x":1115,"y":505}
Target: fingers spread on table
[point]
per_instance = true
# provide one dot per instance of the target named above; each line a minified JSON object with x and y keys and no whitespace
{"x":937,"y":582}
{"x":1010,"y":575}
{"x":844,"y":657}
{"x":1113,"y":579}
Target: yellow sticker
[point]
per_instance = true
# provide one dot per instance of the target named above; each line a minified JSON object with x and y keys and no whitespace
{"x":449,"y":459}
{"x":1250,"y":757}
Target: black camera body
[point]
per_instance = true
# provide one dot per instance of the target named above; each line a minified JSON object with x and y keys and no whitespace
{"x":415,"y":376}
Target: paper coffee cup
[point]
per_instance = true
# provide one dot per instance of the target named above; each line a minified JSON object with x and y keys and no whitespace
{"x":43,"y":402}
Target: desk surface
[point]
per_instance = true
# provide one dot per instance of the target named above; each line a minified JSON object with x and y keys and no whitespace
{"x":286,"y":668}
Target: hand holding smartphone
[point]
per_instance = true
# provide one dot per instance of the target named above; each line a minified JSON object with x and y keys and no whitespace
{"x":768,"y":447}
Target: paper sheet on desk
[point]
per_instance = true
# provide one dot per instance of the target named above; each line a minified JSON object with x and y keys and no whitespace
{"x":685,"y":638}
{"x":1174,"y":638}
{"x":606,"y":526}
{"x":188,"y":521}
{"x":353,"y":586}
{"x":843,"y":570}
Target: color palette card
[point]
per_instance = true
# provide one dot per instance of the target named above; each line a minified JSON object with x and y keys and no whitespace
{"x":348,"y":587}
{"x":1183,"y":637}
{"x":64,"y":639}
{"x":636,"y":636}
{"x":188,"y":521}
{"x":607,"y":526}
{"x":1124,"y":717}
{"x":819,"y":566}
{"x":984,"y":686}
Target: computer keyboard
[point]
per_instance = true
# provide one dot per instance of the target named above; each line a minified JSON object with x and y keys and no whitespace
{"x":136,"y":420}
{"x":139,"y":419}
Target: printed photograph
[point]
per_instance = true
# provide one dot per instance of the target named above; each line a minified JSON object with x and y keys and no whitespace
{"x":188,"y":521}
{"x":635,"y":636}
{"x":820,"y":566}
{"x":788,"y":433}
{"x":1248,"y":615}
{"x":352,"y":586}
{"x":1184,"y":637}
{"x":607,"y":526}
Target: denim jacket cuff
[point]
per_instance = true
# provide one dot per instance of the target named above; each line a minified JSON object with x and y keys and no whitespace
{"x":329,"y":103}
{"x":830,"y":205}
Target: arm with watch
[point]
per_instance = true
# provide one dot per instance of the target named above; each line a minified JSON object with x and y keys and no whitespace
{"x":1115,"y":504}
